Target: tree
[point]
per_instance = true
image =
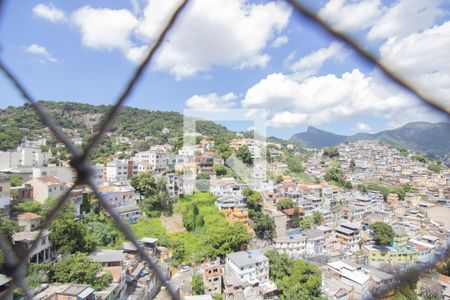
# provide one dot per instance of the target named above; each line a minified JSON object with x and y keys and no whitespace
{"x":247,"y":192}
{"x":255,"y":201}
{"x":335,"y":175}
{"x":78,"y":268}
{"x":29,"y":206}
{"x":202,"y":176}
{"x":144,"y":184}
{"x":294,"y":163}
{"x":317,"y":217}
{"x":352,"y":165}
{"x":69,"y":235}
{"x":278,"y":179}
{"x":384,"y":234}
{"x":198,"y":288}
{"x":285,"y":204}
{"x":226,"y":239}
{"x":102,"y":230}
{"x":155,"y":198}
{"x":330,"y":152}
{"x":38,"y":274}
{"x":419,"y":158}
{"x":435,"y":167}
{"x":406,"y":292}
{"x":445,"y":269}
{"x":8,"y":228}
{"x":296,"y":279}
{"x":263,"y":225}
{"x":306,"y":222}
{"x":16,"y":180}
{"x":179,"y":252}
{"x":296,"y":217}
{"x":254,"y":198}
{"x":224,"y":150}
{"x":220,"y":170}
{"x":245,"y":155}
{"x":403,"y":151}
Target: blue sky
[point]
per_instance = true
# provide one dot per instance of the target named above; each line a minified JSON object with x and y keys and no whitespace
{"x":244,"y":54}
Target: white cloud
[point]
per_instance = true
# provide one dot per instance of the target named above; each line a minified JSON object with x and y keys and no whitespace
{"x":231,"y":33}
{"x":287,"y":119}
{"x":405,"y":17}
{"x":209,"y":32}
{"x":211,"y":101}
{"x":361,"y":127}
{"x":104,"y":28}
{"x":325,"y":99}
{"x":311,"y":63}
{"x":41,"y":52}
{"x":423,"y":59}
{"x":49,"y":12}
{"x":280,"y":41}
{"x":351,"y":15}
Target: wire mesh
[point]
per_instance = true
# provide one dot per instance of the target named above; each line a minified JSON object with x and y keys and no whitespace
{"x":15,"y":265}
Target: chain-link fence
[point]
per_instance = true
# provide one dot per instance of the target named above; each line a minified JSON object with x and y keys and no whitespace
{"x":15,"y":264}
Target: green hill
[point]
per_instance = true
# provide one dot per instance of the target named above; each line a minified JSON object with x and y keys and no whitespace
{"x":20,"y":122}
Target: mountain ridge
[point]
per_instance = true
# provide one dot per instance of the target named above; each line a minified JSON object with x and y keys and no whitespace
{"x":424,"y":137}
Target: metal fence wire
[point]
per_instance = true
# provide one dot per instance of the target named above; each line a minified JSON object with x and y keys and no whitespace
{"x":15,"y":264}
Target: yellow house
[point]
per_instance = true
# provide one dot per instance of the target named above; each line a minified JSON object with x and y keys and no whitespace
{"x":388,"y":255}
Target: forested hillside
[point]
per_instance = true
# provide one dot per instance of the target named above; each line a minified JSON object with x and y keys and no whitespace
{"x":21,"y":122}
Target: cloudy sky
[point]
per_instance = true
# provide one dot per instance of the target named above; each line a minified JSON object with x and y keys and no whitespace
{"x":235,"y":54}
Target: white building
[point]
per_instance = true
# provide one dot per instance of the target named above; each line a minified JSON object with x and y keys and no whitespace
{"x":293,"y":245}
{"x":117,"y":171}
{"x":123,"y":199}
{"x":247,"y":276}
{"x":314,"y":242}
{"x":64,"y":173}
{"x":5,"y":197}
{"x":25,"y":155}
{"x":44,"y":250}
{"x":99,"y":173}
{"x":47,"y":187}
{"x":157,"y":160}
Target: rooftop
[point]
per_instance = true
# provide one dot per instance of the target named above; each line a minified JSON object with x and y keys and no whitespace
{"x":245,"y":258}
{"x":108,"y":255}
{"x":28,"y":216}
{"x":51,"y":180}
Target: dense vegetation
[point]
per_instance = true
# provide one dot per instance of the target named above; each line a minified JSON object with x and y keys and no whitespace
{"x":19,"y":122}
{"x":262,"y":224}
{"x":208,"y":234}
{"x":385,"y":190}
{"x":154,"y":196}
{"x":383,"y":233}
{"x":336,"y":176}
{"x":330,"y":152}
{"x":296,"y":279}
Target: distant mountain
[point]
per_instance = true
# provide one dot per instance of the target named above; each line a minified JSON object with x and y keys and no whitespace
{"x":428,"y":138}
{"x":317,"y":138}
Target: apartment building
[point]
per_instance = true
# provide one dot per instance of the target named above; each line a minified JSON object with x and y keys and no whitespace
{"x":348,"y":236}
{"x":293,"y":245}
{"x":212,"y":277}
{"x":247,"y":276}
{"x":117,"y":171}
{"x":47,"y":187}
{"x":5,"y":196}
